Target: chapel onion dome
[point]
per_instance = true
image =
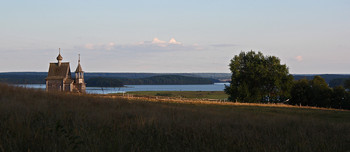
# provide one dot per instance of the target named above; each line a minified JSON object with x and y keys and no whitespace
{"x":59,"y":57}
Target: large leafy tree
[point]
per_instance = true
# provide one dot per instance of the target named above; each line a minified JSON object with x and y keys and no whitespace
{"x":321,"y":93}
{"x":258,"y":78}
{"x":301,"y":93}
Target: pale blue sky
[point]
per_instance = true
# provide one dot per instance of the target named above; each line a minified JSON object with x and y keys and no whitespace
{"x":310,"y":36}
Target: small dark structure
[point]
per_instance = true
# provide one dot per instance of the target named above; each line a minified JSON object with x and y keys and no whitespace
{"x":59,"y":77}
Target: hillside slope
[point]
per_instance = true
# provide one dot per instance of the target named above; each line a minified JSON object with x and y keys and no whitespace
{"x":32,"y":120}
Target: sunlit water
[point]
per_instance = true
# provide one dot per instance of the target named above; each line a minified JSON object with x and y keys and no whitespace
{"x":128,"y":88}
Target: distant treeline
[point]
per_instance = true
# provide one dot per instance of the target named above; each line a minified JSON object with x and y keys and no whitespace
{"x":111,"y":79}
{"x":143,"y":78}
{"x":333,"y":80}
{"x":155,"y":80}
{"x":127,"y":75}
{"x":316,"y":92}
{"x":329,"y":78}
{"x":338,"y":82}
{"x":22,"y":79}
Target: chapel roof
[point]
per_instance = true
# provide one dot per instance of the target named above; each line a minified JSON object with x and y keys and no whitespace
{"x":58,"y":71}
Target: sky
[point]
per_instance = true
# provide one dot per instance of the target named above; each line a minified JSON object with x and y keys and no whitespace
{"x":309,"y":36}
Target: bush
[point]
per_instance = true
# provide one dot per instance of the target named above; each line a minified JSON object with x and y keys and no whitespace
{"x":317,"y":93}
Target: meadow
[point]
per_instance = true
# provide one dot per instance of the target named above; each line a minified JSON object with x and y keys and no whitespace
{"x":33,"y":120}
{"x":220,"y":95}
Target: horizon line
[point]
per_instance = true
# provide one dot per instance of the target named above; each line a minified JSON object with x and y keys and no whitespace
{"x":175,"y":72}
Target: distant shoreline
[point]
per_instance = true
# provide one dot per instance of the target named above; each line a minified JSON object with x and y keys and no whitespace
{"x":39,"y":77}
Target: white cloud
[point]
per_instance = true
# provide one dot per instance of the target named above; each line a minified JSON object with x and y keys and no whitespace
{"x":162,"y":43}
{"x":155,"y":45}
{"x":299,"y":58}
{"x":173,"y":41}
{"x":157,"y":41}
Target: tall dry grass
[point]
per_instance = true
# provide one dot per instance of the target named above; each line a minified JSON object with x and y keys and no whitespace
{"x":205,"y":101}
{"x":32,"y":120}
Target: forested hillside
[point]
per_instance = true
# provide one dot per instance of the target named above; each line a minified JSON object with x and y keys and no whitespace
{"x":39,"y":77}
{"x":168,"y":79}
{"x":155,"y":80}
{"x":327,"y":77}
{"x":126,"y":78}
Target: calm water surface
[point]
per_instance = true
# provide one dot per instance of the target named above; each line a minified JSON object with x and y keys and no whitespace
{"x":128,"y":88}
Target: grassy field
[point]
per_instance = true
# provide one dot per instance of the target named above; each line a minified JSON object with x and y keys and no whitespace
{"x":184,"y":94}
{"x":32,"y":120}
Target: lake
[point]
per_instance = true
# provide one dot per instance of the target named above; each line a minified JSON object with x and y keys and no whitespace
{"x":128,"y":88}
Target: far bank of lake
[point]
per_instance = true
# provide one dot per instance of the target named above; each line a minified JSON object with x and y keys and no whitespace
{"x":128,"y":88}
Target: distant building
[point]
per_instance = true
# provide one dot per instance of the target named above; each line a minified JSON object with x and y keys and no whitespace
{"x":59,"y":77}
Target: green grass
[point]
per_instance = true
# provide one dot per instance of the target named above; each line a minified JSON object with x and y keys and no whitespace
{"x":32,"y":120}
{"x":184,"y":94}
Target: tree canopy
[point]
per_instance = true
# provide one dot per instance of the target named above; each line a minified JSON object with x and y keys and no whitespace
{"x":316,"y":92}
{"x":258,"y":78}
{"x":347,"y":83}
